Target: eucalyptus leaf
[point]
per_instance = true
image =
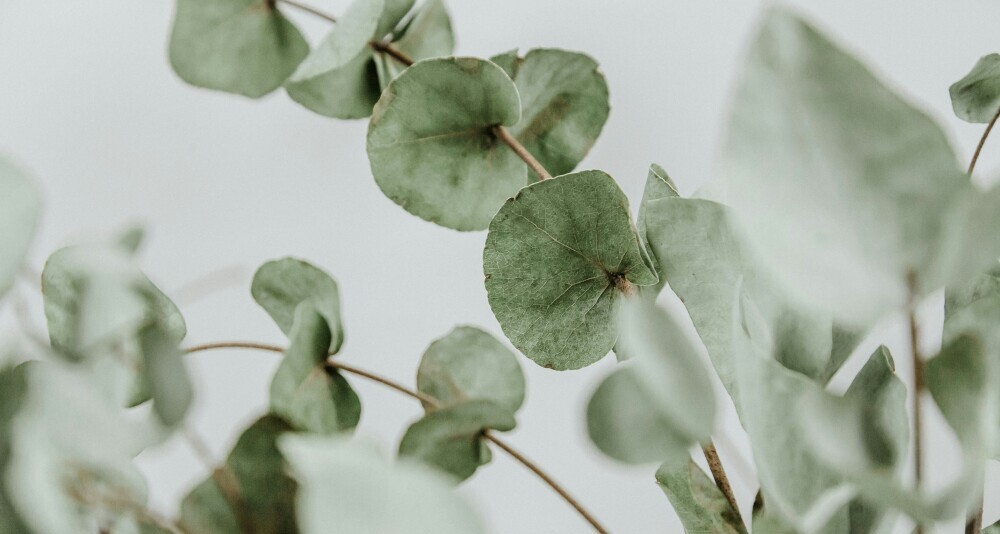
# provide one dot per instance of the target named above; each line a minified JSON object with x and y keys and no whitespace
{"x":976,"y":97}
{"x":698,"y":503}
{"x":658,"y":185}
{"x":564,"y":105}
{"x":660,"y":403}
{"x":280,"y":286}
{"x":849,"y":194}
{"x":349,"y":485}
{"x":469,"y":364}
{"x":431,"y":143}
{"x":165,"y":375}
{"x":556,"y":258}
{"x":312,"y":395}
{"x":450,"y":439}
{"x":13,"y":391}
{"x":245,"y":47}
{"x":427,"y":35}
{"x":257,"y":470}
{"x":20,"y":203}
{"x":992,"y":529}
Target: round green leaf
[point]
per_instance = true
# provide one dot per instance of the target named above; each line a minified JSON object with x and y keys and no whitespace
{"x":450,"y":439}
{"x":564,"y":105}
{"x":245,"y":47}
{"x":554,"y":258}
{"x":431,"y":143}
{"x":470,"y":364}
{"x":280,"y":286}
{"x":19,"y":206}
{"x":976,"y":97}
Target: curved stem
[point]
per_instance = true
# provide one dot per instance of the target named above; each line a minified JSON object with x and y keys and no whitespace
{"x":719,"y":474}
{"x":428,"y":401}
{"x":982,"y":141}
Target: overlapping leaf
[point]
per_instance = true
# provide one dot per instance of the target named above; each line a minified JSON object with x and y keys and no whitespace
{"x":698,"y":503}
{"x":426,"y":35}
{"x":564,"y":105}
{"x":245,"y":47}
{"x":349,"y":485}
{"x":661,"y":403}
{"x":431,"y":143}
{"x":280,"y":286}
{"x":976,"y":97}
{"x":557,"y":258}
{"x":254,"y":480}
{"x":850,"y":194}
{"x":19,"y":206}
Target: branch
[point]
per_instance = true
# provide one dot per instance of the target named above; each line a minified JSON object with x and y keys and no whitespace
{"x":918,"y":386}
{"x":428,"y":401}
{"x":982,"y":141}
{"x":719,"y":474}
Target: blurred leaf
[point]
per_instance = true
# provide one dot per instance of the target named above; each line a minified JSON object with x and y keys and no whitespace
{"x":660,"y":403}
{"x":553,"y":257}
{"x":280,"y":286}
{"x":311,"y":395}
{"x":846,"y":188}
{"x":245,"y":47}
{"x":13,"y":391}
{"x":564,"y":104}
{"x":450,"y":439}
{"x":349,"y":485}
{"x":992,"y":529}
{"x":431,"y":143}
{"x":976,"y":97}
{"x":259,"y":474}
{"x":20,"y":203}
{"x":165,"y":374}
{"x":470,"y":364}
{"x":428,"y":34}
{"x":700,"y":505}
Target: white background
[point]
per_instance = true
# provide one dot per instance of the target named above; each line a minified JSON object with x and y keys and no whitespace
{"x":89,"y":103}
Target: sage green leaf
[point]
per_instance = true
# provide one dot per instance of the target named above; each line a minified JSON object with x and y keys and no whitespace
{"x":427,"y":35}
{"x":701,"y":253}
{"x":245,"y":47}
{"x":660,"y":403}
{"x":280,"y":286}
{"x":392,"y":14}
{"x":450,"y":439}
{"x":976,"y":97}
{"x":163,"y":370}
{"x":992,"y":529}
{"x":848,"y":191}
{"x":509,"y":61}
{"x":349,"y":485}
{"x":564,"y":105}
{"x":658,"y":185}
{"x":311,"y":395}
{"x":256,"y":469}
{"x":14,"y":388}
{"x":469,"y":364}
{"x":20,"y":203}
{"x":431,"y":143}
{"x":963,"y":381}
{"x":698,"y":503}
{"x":555,"y":258}
{"x":338,"y":78}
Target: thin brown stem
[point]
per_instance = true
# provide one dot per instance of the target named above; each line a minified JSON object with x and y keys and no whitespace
{"x":504,"y":135}
{"x":427,"y":400}
{"x":523,"y":460}
{"x":982,"y":141}
{"x":975,"y":523}
{"x":388,"y":48}
{"x":918,"y":387}
{"x":719,"y":474}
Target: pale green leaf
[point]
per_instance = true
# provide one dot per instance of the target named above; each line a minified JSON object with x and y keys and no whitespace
{"x":13,"y":391}
{"x":658,"y":185}
{"x":976,"y":97}
{"x":431,"y":143}
{"x":20,"y":203}
{"x":165,"y":375}
{"x":564,"y":104}
{"x":555,"y":257}
{"x":313,"y":396}
{"x":847,"y":190}
{"x":258,"y":472}
{"x":698,"y":503}
{"x":280,"y":286}
{"x":992,"y":529}
{"x":349,"y":485}
{"x":450,"y":439}
{"x":470,"y":364}
{"x":427,"y":35}
{"x":660,"y":403}
{"x":245,"y":47}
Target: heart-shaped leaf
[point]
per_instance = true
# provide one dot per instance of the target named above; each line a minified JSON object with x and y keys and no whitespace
{"x":698,"y":503}
{"x":431,"y":143}
{"x":19,"y":206}
{"x":558,"y":257}
{"x":255,"y":475}
{"x":245,"y":47}
{"x":280,"y":286}
{"x":661,"y":402}
{"x":450,"y":439}
{"x":564,"y":105}
{"x":976,"y":97}
{"x":469,"y":364}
